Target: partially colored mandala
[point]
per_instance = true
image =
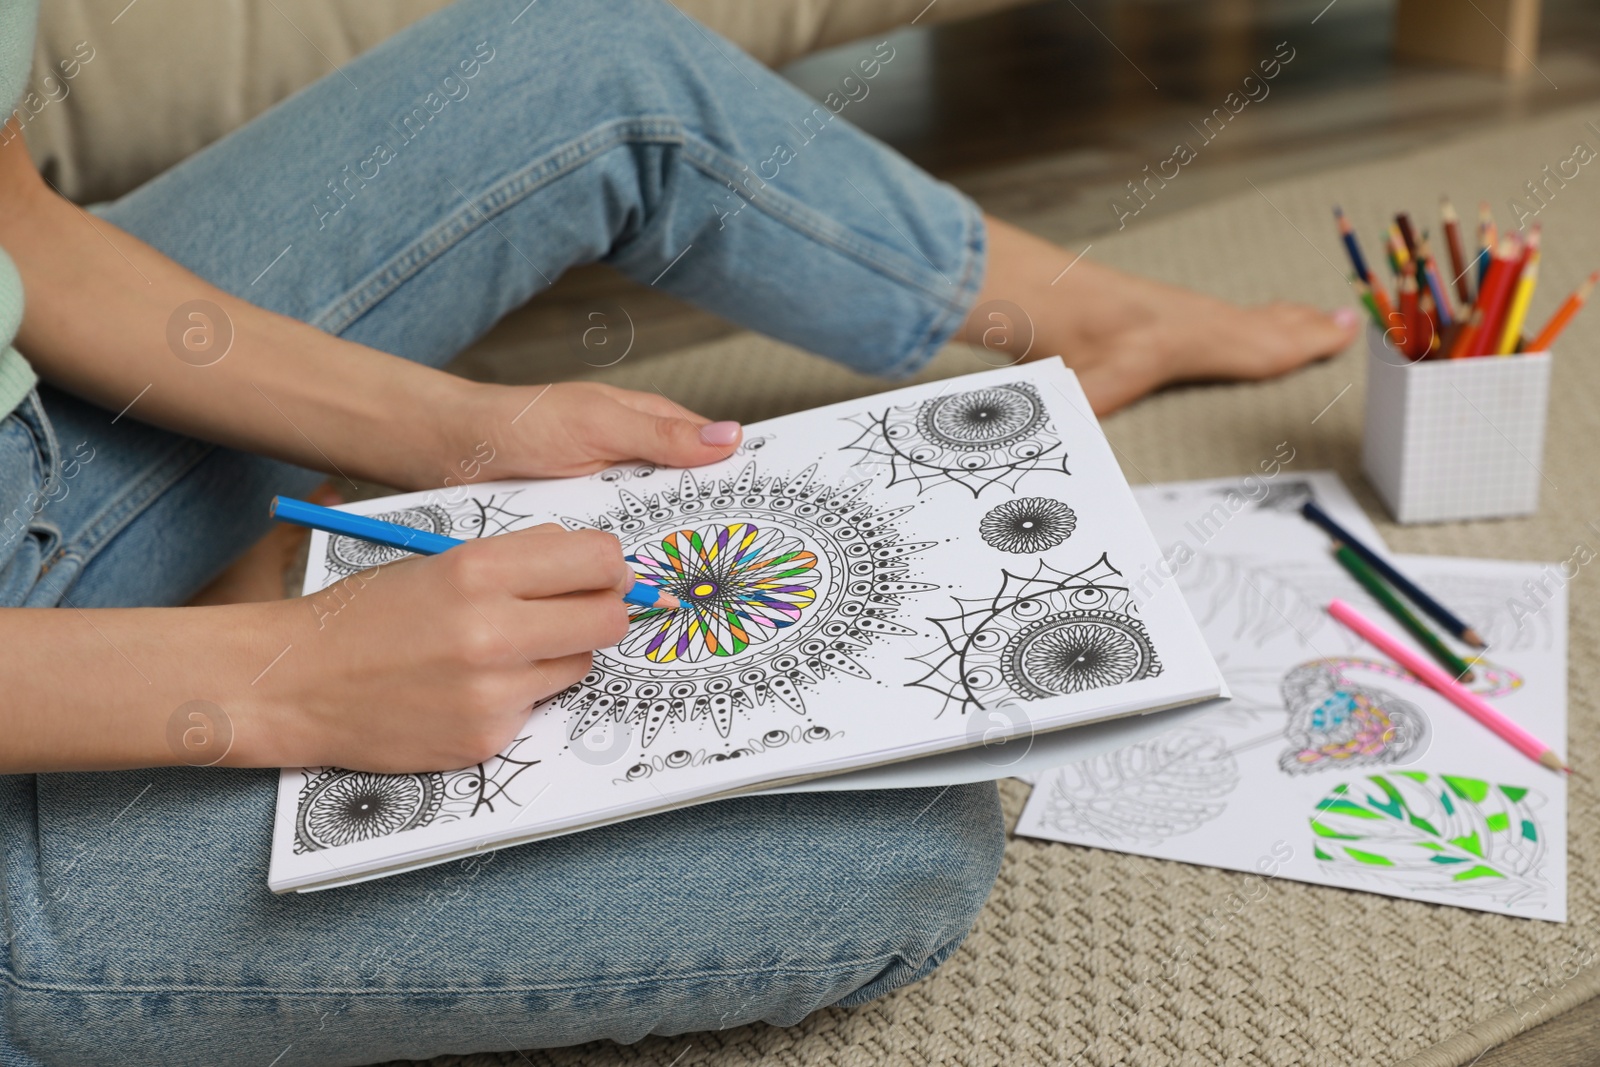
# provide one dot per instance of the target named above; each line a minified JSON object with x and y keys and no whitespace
{"x":1028,"y":525}
{"x":976,"y":438}
{"x":740,"y":585}
{"x":1053,"y":634}
{"x":337,"y":807}
{"x":791,"y":583}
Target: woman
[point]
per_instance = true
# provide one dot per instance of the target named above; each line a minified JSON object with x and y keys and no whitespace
{"x":398,"y":208}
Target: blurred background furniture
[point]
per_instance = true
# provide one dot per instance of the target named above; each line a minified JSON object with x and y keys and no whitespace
{"x":1497,"y":35}
{"x":188,"y":71}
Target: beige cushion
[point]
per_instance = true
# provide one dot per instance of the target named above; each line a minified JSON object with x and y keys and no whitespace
{"x":167,"y":77}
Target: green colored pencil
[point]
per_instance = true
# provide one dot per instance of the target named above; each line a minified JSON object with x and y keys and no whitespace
{"x":1375,"y":585}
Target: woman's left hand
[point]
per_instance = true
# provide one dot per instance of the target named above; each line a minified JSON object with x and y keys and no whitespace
{"x":566,"y":429}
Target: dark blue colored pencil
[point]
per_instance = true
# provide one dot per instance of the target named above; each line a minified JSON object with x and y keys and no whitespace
{"x":1352,"y":246}
{"x":1441,"y":614}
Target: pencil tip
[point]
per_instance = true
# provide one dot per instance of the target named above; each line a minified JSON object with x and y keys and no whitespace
{"x":667,"y":601}
{"x":1549,"y":759}
{"x":1470,"y":636}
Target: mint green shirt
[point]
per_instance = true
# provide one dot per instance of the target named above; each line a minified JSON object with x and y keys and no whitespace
{"x":18,"y":21}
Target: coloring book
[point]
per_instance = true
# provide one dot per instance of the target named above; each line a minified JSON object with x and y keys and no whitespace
{"x":1331,"y":764}
{"x":913,"y":573}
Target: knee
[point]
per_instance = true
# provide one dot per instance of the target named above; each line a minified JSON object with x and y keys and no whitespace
{"x":926,"y":881}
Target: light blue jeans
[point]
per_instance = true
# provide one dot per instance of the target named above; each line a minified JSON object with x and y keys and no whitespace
{"x":408,"y":201}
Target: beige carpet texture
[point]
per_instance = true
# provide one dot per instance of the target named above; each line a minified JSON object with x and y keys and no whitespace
{"x":1070,"y":963}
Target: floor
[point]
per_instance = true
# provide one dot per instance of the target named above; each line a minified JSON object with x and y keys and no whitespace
{"x":1047,"y":111}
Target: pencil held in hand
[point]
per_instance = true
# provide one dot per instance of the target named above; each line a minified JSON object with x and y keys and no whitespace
{"x":422,"y":542}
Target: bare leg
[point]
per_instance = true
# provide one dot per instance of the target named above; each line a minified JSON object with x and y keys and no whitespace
{"x":1126,"y":336}
{"x":258,"y":575}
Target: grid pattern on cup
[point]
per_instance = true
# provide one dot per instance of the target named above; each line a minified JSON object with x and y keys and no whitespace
{"x":1457,"y":439}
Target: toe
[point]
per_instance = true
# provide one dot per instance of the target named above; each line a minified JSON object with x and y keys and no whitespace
{"x":1299,"y":334}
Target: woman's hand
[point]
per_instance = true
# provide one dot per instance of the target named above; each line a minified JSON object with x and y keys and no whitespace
{"x":432,"y":663}
{"x":491,"y":432}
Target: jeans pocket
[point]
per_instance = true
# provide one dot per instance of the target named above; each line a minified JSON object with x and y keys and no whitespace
{"x":28,"y":476}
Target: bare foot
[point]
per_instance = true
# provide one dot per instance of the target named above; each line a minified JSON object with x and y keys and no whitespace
{"x":258,"y":575}
{"x":1126,"y":336}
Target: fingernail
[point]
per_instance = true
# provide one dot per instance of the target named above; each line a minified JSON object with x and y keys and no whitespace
{"x":719,"y":433}
{"x":1346,"y":318}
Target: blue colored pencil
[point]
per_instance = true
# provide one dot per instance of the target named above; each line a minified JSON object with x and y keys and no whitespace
{"x":1443,"y":615}
{"x":1348,"y":234}
{"x":406,"y":538}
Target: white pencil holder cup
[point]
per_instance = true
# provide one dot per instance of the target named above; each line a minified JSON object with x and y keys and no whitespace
{"x":1450,"y":439}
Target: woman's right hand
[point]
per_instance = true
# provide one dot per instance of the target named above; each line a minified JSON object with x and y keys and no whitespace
{"x":432,"y":663}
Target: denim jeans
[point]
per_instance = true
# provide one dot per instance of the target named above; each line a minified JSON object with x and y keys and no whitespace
{"x":408,"y":201}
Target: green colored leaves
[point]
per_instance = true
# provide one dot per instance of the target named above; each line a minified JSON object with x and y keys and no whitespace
{"x":1434,"y":831}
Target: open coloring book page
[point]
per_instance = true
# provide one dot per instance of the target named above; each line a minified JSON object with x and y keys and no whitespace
{"x":914,"y":573}
{"x":1331,"y":764}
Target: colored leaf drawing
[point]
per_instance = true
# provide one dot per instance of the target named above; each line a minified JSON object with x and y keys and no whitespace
{"x":1438,"y":832}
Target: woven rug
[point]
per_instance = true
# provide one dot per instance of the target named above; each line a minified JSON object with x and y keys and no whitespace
{"x":1063,"y":966}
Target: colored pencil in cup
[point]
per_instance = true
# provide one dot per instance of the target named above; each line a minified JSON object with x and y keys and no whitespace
{"x":1497,"y":286}
{"x":1408,"y":233}
{"x":1558,"y":322}
{"x":1352,"y":246}
{"x":1466,"y":335}
{"x":1458,"y":259}
{"x":1399,"y":257}
{"x":1364,"y":294}
{"x":1370,"y":580}
{"x":1409,"y":589}
{"x":1511,"y":332}
{"x":1447,"y":687}
{"x":1435,"y":283}
{"x":422,"y":542}
{"x":1427,"y":310}
{"x":1487,"y":239}
{"x":1411,"y":317}
{"x":1376,"y":301}
{"x":1467,"y":342}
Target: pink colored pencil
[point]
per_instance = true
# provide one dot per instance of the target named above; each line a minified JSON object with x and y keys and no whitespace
{"x":1448,"y":687}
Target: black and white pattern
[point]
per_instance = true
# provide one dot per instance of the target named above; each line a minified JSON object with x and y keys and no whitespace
{"x":773,"y":739}
{"x":1050,"y":635}
{"x":1146,"y":792}
{"x":745,"y":648}
{"x":338,"y":807}
{"x":976,"y":438}
{"x":1028,"y":525}
{"x":347,"y":555}
{"x":470,"y":517}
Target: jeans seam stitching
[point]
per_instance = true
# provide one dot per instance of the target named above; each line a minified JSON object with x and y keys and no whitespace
{"x":497,"y":198}
{"x":9,"y":977}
